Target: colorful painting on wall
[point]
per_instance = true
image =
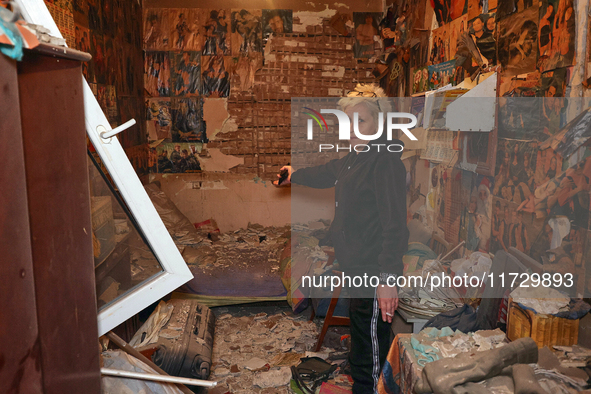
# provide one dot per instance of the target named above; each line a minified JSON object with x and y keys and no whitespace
{"x":420,"y":80}
{"x":556,"y":34}
{"x":442,"y":74}
{"x":439,"y":45}
{"x":366,"y":29}
{"x":158,"y":118}
{"x":475,"y":8}
{"x":442,"y":10}
{"x":508,"y":8}
{"x":186,"y":73}
{"x":217,"y":29}
{"x":157,"y":73}
{"x":516,"y":167}
{"x":247,"y":33}
{"x":185,"y":25}
{"x":156,"y":29}
{"x":518,"y":42}
{"x":175,"y":158}
{"x":482,"y":29}
{"x":456,"y":28}
{"x":187,"y":120}
{"x":511,"y":227}
{"x":277,"y":22}
{"x":215,"y":78}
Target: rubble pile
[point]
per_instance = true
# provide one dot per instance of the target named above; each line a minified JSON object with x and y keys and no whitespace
{"x":253,"y":354}
{"x":44,"y":36}
{"x":240,"y":248}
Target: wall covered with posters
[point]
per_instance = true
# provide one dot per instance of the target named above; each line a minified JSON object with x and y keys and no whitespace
{"x":219,"y":81}
{"x":250,"y":61}
{"x":213,"y":86}
{"x":531,"y":187}
{"x":108,"y":30}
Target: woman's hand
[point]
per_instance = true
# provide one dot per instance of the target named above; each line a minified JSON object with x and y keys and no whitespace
{"x":388,"y":301}
{"x":287,"y":180}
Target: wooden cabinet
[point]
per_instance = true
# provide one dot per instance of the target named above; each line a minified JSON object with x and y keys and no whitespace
{"x":48,"y":328}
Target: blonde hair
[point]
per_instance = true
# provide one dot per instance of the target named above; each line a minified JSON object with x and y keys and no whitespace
{"x":369,"y":94}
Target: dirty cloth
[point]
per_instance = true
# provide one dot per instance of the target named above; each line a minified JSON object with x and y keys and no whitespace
{"x":401,"y":370}
{"x":576,"y":310}
{"x":573,"y":311}
{"x":444,"y":375}
{"x":462,"y":319}
{"x":425,"y":300}
{"x":9,"y":29}
{"x":424,"y":352}
{"x":118,"y":359}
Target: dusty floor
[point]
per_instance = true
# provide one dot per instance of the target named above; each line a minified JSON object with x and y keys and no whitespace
{"x":255,"y":345}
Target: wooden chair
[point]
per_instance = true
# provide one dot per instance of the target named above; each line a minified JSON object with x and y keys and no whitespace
{"x":330,"y":320}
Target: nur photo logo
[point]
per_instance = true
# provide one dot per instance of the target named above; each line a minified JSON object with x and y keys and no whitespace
{"x":392,"y":122}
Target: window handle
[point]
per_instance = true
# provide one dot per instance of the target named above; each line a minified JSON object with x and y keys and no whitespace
{"x":110,"y":133}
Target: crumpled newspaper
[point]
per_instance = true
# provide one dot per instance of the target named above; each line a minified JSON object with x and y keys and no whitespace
{"x":152,"y":326}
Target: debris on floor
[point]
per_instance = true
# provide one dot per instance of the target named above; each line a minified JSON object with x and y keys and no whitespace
{"x":573,"y":356}
{"x":243,"y":247}
{"x":253,"y":351}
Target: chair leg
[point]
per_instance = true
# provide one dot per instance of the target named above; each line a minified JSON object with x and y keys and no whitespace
{"x":328,"y":319}
{"x":313,"y":314}
{"x":322,"y":334}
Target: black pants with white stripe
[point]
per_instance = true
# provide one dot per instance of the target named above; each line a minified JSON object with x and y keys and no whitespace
{"x":370,"y":342}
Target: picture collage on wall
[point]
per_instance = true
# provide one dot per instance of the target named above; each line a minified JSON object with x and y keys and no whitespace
{"x":189,"y":55}
{"x":529,"y":36}
{"x":108,"y":30}
{"x":170,"y":157}
{"x":541,"y":204}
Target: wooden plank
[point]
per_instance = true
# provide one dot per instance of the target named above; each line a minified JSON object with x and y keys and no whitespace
{"x":20,"y":351}
{"x":51,"y":101}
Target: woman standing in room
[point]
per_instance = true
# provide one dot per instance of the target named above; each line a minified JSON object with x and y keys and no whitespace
{"x":369,"y":232}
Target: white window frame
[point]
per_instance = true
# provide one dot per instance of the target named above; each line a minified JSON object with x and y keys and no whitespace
{"x":175,"y":271}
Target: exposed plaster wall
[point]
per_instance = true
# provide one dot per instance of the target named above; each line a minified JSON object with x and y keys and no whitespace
{"x":216,"y":116}
{"x":249,"y":131}
{"x":234,"y":200}
{"x":219,"y":161}
{"x":311,"y":18}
